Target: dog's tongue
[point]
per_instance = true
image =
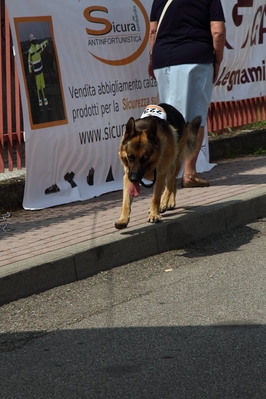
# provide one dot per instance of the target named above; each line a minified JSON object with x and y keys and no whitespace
{"x":134,"y":189}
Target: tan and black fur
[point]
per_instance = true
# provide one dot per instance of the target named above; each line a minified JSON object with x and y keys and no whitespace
{"x":155,"y":149}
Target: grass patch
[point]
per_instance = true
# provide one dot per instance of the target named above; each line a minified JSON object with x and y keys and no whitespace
{"x":228,"y":131}
{"x":258,"y":125}
{"x":260,"y":151}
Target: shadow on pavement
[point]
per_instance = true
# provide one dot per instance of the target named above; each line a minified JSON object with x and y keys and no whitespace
{"x":218,"y":244}
{"x":219,"y":361}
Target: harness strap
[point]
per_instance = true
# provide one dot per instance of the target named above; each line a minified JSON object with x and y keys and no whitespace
{"x":152,"y":183}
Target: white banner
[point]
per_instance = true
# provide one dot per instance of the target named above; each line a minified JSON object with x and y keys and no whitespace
{"x":243,"y":70}
{"x":83,"y":73}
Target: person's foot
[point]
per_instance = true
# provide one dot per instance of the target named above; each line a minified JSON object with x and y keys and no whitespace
{"x":190,"y":181}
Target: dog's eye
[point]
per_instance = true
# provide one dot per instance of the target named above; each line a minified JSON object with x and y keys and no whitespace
{"x":131,"y":158}
{"x":143,"y":159}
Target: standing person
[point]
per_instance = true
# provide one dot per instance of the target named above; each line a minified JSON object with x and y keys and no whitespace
{"x":185,"y":56}
{"x":35,"y":65}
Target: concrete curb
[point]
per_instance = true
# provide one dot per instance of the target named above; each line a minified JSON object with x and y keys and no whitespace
{"x":11,"y":194}
{"x":244,"y":143}
{"x":80,"y":261}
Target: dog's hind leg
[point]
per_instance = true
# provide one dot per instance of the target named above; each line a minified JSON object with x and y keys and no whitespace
{"x":154,"y":214}
{"x":123,"y":221}
{"x":168,"y":200}
{"x":168,"y":197}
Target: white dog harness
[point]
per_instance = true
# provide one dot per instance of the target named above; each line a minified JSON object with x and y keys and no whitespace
{"x":154,"y":110}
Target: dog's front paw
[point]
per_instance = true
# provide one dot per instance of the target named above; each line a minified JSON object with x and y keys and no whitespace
{"x":121,"y":224}
{"x":167,"y":203}
{"x":154,"y":218}
{"x":163,"y":208}
{"x":167,"y":207}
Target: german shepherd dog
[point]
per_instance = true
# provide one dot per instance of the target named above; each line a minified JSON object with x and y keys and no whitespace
{"x":154,"y":148}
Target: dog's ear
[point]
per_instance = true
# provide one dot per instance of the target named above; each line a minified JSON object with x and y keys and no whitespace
{"x":152,"y":130}
{"x":130,"y":129}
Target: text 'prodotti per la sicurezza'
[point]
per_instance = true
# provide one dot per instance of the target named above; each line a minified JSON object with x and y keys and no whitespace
{"x":94,"y":107}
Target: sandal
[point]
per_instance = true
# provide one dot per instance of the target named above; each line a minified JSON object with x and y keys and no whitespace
{"x":194,"y":182}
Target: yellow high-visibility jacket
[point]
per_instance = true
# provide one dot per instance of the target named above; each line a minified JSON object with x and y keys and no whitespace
{"x":34,"y":57}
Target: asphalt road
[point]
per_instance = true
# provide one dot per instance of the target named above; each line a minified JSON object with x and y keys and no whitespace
{"x":185,"y":324}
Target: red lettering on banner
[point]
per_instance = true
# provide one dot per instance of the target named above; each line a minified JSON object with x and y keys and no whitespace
{"x":258,"y":28}
{"x":262,"y":26}
{"x":242,"y":76}
{"x":255,"y":36}
{"x":241,"y":3}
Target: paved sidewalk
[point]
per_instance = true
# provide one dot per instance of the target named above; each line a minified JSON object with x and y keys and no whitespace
{"x":63,"y":244}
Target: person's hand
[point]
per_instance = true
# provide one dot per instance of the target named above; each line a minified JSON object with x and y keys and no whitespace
{"x":150,"y":70}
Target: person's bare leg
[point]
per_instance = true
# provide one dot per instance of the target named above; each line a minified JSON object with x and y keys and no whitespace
{"x":190,"y":165}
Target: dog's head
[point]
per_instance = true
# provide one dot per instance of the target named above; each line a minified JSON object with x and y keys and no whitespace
{"x":139,"y":148}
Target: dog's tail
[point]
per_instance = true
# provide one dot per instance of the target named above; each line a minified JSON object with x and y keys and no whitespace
{"x":188,"y":140}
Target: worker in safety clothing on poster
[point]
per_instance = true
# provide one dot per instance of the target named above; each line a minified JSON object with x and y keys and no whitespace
{"x":36,"y":66}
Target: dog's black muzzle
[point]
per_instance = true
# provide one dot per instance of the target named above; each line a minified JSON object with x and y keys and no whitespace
{"x":137,"y":178}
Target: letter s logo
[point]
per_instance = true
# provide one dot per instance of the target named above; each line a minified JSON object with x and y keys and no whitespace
{"x":107,"y":25}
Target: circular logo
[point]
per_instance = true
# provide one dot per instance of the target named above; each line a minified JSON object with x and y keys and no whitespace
{"x":131,"y":34}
